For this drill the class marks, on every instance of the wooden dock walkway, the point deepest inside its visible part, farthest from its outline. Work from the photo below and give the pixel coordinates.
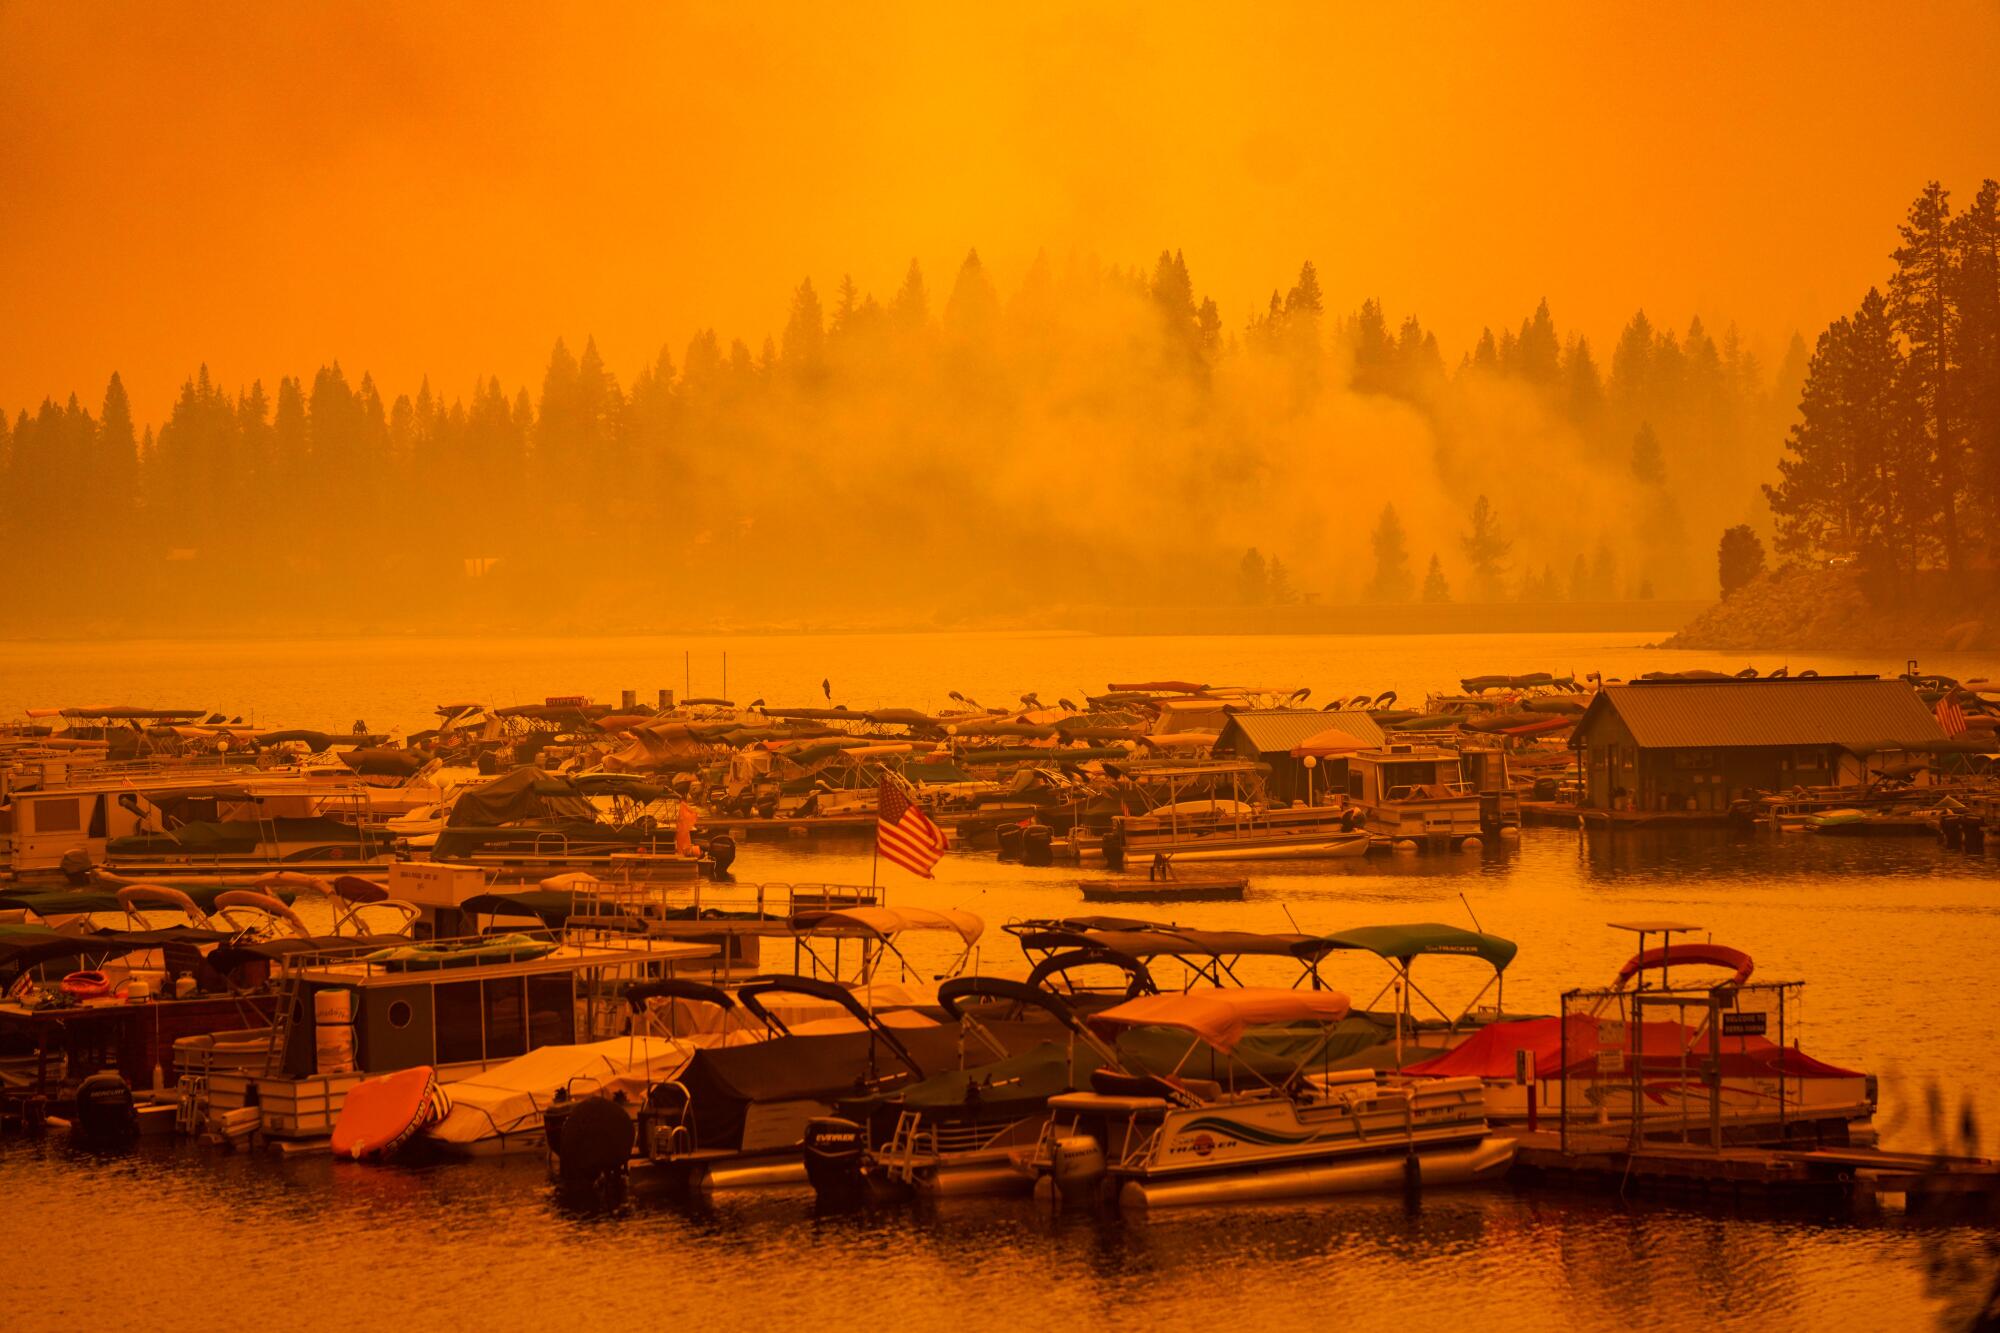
(1860, 1178)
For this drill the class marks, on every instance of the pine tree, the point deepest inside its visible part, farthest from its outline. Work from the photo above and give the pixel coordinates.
(117, 461)
(1374, 350)
(1392, 580)
(1649, 462)
(1435, 588)
(1923, 305)
(1852, 480)
(805, 335)
(1253, 581)
(1739, 558)
(1486, 549)
(1538, 352)
(1583, 388)
(972, 311)
(910, 311)
(1278, 589)
(1976, 292)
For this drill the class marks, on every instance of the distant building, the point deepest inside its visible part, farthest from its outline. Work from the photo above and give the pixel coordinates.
(1698, 745)
(1269, 735)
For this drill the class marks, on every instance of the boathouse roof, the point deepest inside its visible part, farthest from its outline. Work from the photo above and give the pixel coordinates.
(1857, 713)
(1270, 730)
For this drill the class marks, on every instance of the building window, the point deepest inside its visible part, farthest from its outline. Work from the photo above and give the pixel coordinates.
(551, 1011)
(506, 1019)
(459, 1020)
(63, 816)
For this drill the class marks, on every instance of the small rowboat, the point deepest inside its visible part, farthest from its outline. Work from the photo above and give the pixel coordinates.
(1162, 890)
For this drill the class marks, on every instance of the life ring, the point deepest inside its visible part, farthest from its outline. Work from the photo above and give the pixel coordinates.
(86, 985)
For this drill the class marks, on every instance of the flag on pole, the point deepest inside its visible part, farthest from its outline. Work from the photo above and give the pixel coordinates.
(1950, 716)
(903, 832)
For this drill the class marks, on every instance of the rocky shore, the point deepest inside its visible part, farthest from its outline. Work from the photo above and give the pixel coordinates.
(1802, 608)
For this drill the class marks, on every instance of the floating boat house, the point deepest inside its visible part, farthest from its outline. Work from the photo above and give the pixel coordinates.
(1269, 735)
(1695, 745)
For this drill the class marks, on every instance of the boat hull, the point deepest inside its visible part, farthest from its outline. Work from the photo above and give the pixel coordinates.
(1317, 850)
(1473, 1164)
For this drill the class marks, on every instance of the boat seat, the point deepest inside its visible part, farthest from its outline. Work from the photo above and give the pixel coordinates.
(1118, 1083)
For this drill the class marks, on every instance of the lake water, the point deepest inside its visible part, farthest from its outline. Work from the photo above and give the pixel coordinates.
(1895, 938)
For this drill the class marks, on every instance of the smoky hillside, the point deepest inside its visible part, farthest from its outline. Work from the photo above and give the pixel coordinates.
(949, 454)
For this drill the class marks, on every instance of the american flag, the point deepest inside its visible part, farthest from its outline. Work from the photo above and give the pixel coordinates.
(903, 832)
(1950, 716)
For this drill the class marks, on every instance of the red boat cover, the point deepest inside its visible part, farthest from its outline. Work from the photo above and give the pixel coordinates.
(381, 1114)
(1490, 1051)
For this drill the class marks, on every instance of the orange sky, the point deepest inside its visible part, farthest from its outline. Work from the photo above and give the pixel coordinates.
(448, 188)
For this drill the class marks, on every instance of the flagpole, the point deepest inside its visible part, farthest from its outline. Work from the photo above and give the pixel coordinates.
(875, 861)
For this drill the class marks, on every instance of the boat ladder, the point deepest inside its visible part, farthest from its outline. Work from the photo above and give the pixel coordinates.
(900, 1156)
(284, 1021)
(192, 1108)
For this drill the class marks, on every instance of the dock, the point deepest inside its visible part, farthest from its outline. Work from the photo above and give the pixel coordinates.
(1861, 1179)
(1142, 888)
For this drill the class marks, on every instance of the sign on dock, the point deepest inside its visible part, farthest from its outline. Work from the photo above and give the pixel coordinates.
(1744, 1023)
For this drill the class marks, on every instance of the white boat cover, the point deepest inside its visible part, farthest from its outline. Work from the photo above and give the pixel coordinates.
(509, 1098)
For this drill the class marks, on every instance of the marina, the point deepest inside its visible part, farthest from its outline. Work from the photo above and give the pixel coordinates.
(1092, 667)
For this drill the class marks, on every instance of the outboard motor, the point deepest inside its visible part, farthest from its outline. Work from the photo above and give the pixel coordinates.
(1076, 1167)
(722, 854)
(833, 1159)
(552, 1123)
(1010, 841)
(590, 1143)
(1114, 849)
(106, 1115)
(1038, 845)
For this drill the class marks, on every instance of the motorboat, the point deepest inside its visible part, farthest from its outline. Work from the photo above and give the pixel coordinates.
(1283, 847)
(350, 1008)
(502, 1109)
(967, 1130)
(1605, 1062)
(1257, 1133)
(1196, 821)
(1415, 796)
(736, 1115)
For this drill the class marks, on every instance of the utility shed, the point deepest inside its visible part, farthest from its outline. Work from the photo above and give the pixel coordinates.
(1269, 735)
(1698, 745)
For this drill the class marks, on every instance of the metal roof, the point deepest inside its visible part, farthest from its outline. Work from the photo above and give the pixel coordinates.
(1279, 729)
(1858, 715)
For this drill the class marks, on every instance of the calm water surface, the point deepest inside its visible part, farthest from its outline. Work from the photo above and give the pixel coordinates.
(1895, 938)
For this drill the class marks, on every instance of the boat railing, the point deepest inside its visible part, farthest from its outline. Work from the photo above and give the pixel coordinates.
(1418, 791)
(595, 900)
(574, 951)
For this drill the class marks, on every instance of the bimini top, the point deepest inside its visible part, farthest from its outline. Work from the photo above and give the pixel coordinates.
(1174, 941)
(886, 921)
(1220, 1017)
(1402, 943)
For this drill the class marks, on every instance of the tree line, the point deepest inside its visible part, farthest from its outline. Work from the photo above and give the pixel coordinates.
(1893, 463)
(1097, 436)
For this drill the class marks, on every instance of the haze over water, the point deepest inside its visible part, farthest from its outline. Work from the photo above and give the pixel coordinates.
(1894, 938)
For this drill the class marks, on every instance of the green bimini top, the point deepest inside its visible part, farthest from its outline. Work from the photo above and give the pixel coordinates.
(1403, 943)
